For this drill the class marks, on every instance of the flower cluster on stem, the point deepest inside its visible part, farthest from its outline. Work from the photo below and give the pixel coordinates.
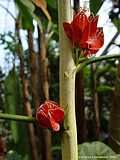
(84, 34)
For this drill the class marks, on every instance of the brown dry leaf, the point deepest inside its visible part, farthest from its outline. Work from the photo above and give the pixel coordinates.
(40, 3)
(43, 5)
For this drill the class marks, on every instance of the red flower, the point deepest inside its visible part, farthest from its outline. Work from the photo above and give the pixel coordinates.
(84, 33)
(50, 115)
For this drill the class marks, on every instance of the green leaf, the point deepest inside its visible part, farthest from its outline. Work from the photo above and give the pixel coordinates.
(96, 150)
(104, 88)
(25, 13)
(53, 10)
(28, 4)
(52, 3)
(95, 5)
(11, 102)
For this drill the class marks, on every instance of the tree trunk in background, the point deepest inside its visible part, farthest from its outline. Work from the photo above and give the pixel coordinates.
(43, 68)
(40, 91)
(114, 126)
(33, 69)
(2, 148)
(26, 103)
(79, 106)
(43, 91)
(28, 111)
(67, 85)
(95, 99)
(79, 97)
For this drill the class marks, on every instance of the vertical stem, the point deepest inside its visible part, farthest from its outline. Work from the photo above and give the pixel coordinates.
(43, 63)
(26, 103)
(114, 126)
(2, 148)
(33, 68)
(67, 86)
(80, 107)
(95, 99)
(44, 94)
(28, 110)
(79, 97)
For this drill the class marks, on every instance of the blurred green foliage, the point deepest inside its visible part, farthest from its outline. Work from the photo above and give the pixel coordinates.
(96, 150)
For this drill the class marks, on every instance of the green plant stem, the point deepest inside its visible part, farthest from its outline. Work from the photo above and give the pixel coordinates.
(95, 59)
(17, 117)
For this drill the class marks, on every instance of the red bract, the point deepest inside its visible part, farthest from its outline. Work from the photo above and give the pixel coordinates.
(75, 29)
(50, 115)
(84, 33)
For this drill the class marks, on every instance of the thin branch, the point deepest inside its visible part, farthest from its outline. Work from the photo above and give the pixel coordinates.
(17, 117)
(96, 59)
(8, 11)
(110, 43)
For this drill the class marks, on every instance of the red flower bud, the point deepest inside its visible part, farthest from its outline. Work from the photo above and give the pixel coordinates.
(50, 115)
